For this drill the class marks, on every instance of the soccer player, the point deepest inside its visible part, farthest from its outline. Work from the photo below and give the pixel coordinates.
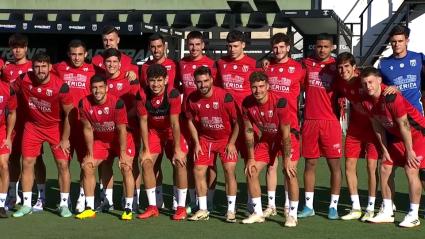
(47, 104)
(76, 73)
(399, 128)
(8, 104)
(159, 108)
(10, 72)
(321, 132)
(213, 124)
(284, 75)
(360, 141)
(270, 113)
(104, 119)
(187, 67)
(120, 86)
(158, 50)
(111, 39)
(403, 68)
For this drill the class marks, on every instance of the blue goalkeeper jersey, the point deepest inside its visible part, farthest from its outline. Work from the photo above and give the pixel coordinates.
(405, 73)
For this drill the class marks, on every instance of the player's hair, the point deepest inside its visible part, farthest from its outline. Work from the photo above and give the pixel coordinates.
(108, 30)
(202, 70)
(156, 36)
(325, 37)
(97, 78)
(41, 57)
(258, 76)
(400, 30)
(370, 71)
(234, 36)
(346, 57)
(156, 70)
(111, 52)
(280, 37)
(195, 35)
(76, 43)
(18, 40)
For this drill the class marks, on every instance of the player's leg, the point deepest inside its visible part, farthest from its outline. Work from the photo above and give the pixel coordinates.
(212, 181)
(89, 169)
(126, 168)
(62, 163)
(415, 189)
(372, 164)
(255, 192)
(107, 180)
(293, 195)
(149, 179)
(15, 167)
(386, 213)
(40, 179)
(271, 180)
(4, 180)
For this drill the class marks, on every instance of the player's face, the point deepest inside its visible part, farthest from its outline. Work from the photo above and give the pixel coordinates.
(19, 52)
(157, 84)
(281, 51)
(204, 84)
(259, 90)
(399, 44)
(99, 89)
(372, 85)
(323, 49)
(346, 71)
(41, 70)
(195, 46)
(77, 55)
(157, 48)
(112, 65)
(110, 40)
(235, 49)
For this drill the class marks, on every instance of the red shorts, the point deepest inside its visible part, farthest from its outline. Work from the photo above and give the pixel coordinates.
(268, 150)
(397, 151)
(78, 144)
(4, 149)
(211, 149)
(321, 138)
(163, 142)
(364, 147)
(34, 137)
(241, 143)
(110, 150)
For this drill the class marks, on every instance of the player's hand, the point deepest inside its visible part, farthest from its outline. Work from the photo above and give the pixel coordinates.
(131, 75)
(390, 90)
(197, 151)
(250, 167)
(65, 146)
(265, 63)
(179, 158)
(7, 143)
(124, 160)
(412, 160)
(290, 167)
(231, 152)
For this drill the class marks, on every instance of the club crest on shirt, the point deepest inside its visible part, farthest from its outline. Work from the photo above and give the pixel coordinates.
(270, 113)
(291, 69)
(106, 110)
(215, 105)
(49, 92)
(119, 86)
(245, 68)
(413, 62)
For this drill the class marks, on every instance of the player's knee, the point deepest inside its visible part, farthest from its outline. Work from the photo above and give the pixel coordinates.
(88, 167)
(147, 164)
(4, 166)
(126, 168)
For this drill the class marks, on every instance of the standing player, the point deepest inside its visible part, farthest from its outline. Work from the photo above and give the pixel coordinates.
(187, 67)
(20, 65)
(214, 127)
(321, 132)
(285, 75)
(399, 127)
(159, 109)
(7, 122)
(48, 104)
(104, 119)
(76, 73)
(403, 68)
(360, 141)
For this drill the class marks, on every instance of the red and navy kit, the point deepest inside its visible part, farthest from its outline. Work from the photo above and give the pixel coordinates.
(43, 108)
(158, 109)
(321, 131)
(169, 64)
(104, 119)
(360, 140)
(386, 110)
(268, 117)
(7, 102)
(213, 118)
(126, 63)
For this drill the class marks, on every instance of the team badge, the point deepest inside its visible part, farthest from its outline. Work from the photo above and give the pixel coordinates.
(49, 92)
(111, 86)
(401, 65)
(59, 27)
(215, 105)
(130, 27)
(94, 27)
(245, 68)
(270, 113)
(291, 69)
(168, 68)
(39, 90)
(85, 69)
(25, 26)
(280, 69)
(119, 86)
(235, 67)
(413, 62)
(158, 102)
(207, 106)
(99, 112)
(106, 110)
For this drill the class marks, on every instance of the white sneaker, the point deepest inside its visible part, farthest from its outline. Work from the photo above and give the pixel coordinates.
(81, 206)
(382, 217)
(367, 215)
(200, 215)
(270, 211)
(354, 214)
(39, 205)
(410, 221)
(291, 221)
(254, 218)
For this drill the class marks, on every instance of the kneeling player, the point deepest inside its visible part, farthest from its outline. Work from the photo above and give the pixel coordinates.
(158, 108)
(214, 128)
(104, 119)
(271, 115)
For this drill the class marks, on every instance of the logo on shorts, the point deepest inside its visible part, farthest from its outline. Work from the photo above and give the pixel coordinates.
(106, 110)
(119, 86)
(49, 92)
(215, 105)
